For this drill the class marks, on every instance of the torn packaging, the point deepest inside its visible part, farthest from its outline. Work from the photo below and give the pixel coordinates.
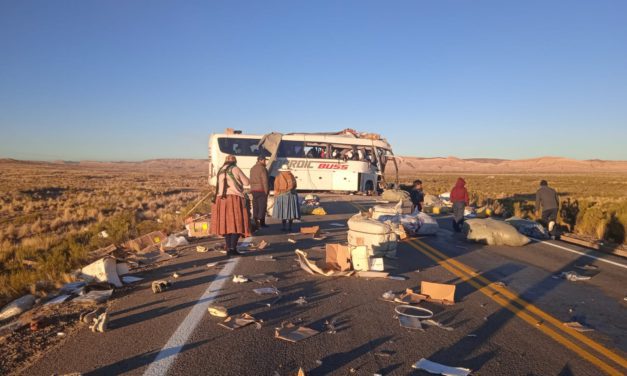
(314, 230)
(337, 257)
(291, 333)
(440, 369)
(143, 243)
(240, 321)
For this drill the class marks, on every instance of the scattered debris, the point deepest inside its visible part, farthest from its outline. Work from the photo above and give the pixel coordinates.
(330, 325)
(17, 307)
(100, 323)
(571, 276)
(218, 311)
(437, 324)
(587, 267)
(384, 353)
(438, 292)
(263, 278)
(58, 300)
(309, 266)
(160, 286)
(266, 291)
(440, 369)
(103, 270)
(103, 234)
(73, 287)
(213, 264)
(335, 224)
(240, 279)
(578, 326)
(201, 249)
(240, 321)
(290, 240)
(197, 227)
(290, 332)
(367, 274)
(131, 279)
(94, 297)
(262, 245)
(498, 284)
(337, 257)
(175, 275)
(398, 277)
(410, 316)
(174, 241)
(88, 317)
(388, 296)
(410, 297)
(300, 301)
(265, 258)
(319, 211)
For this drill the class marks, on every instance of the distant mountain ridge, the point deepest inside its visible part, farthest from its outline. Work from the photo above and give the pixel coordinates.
(405, 164)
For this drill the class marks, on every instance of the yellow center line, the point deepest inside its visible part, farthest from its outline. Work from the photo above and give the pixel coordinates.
(522, 314)
(470, 276)
(532, 308)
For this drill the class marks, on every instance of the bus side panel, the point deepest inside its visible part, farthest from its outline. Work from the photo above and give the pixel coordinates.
(345, 181)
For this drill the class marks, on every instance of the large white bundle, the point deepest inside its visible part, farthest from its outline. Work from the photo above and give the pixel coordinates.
(389, 209)
(367, 225)
(494, 232)
(428, 225)
(395, 195)
(377, 244)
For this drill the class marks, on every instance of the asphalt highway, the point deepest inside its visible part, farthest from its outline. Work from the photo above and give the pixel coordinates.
(511, 328)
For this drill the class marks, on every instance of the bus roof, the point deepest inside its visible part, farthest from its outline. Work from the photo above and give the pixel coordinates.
(339, 138)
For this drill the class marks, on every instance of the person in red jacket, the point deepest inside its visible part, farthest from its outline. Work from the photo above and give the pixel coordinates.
(459, 198)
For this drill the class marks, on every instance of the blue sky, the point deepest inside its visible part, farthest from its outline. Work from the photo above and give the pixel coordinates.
(132, 80)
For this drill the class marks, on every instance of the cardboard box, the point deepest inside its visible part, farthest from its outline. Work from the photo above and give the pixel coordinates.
(198, 229)
(338, 257)
(438, 291)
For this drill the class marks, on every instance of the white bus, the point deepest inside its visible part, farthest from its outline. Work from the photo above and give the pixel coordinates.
(343, 161)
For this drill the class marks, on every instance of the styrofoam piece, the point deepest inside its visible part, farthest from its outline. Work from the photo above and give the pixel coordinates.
(103, 270)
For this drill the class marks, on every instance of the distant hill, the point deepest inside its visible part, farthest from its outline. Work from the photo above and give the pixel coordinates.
(504, 166)
(406, 165)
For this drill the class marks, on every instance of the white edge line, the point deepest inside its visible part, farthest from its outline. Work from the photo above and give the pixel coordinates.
(167, 355)
(581, 253)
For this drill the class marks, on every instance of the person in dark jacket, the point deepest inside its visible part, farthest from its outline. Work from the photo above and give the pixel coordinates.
(417, 196)
(459, 198)
(259, 189)
(547, 204)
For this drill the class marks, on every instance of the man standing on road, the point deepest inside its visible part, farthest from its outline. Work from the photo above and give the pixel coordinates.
(417, 196)
(547, 204)
(459, 198)
(259, 189)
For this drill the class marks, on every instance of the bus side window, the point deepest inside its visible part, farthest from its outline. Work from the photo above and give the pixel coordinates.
(291, 149)
(316, 151)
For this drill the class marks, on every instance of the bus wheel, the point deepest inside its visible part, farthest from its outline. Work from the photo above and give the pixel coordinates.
(369, 187)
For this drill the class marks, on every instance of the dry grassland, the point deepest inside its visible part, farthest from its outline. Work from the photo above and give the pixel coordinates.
(51, 214)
